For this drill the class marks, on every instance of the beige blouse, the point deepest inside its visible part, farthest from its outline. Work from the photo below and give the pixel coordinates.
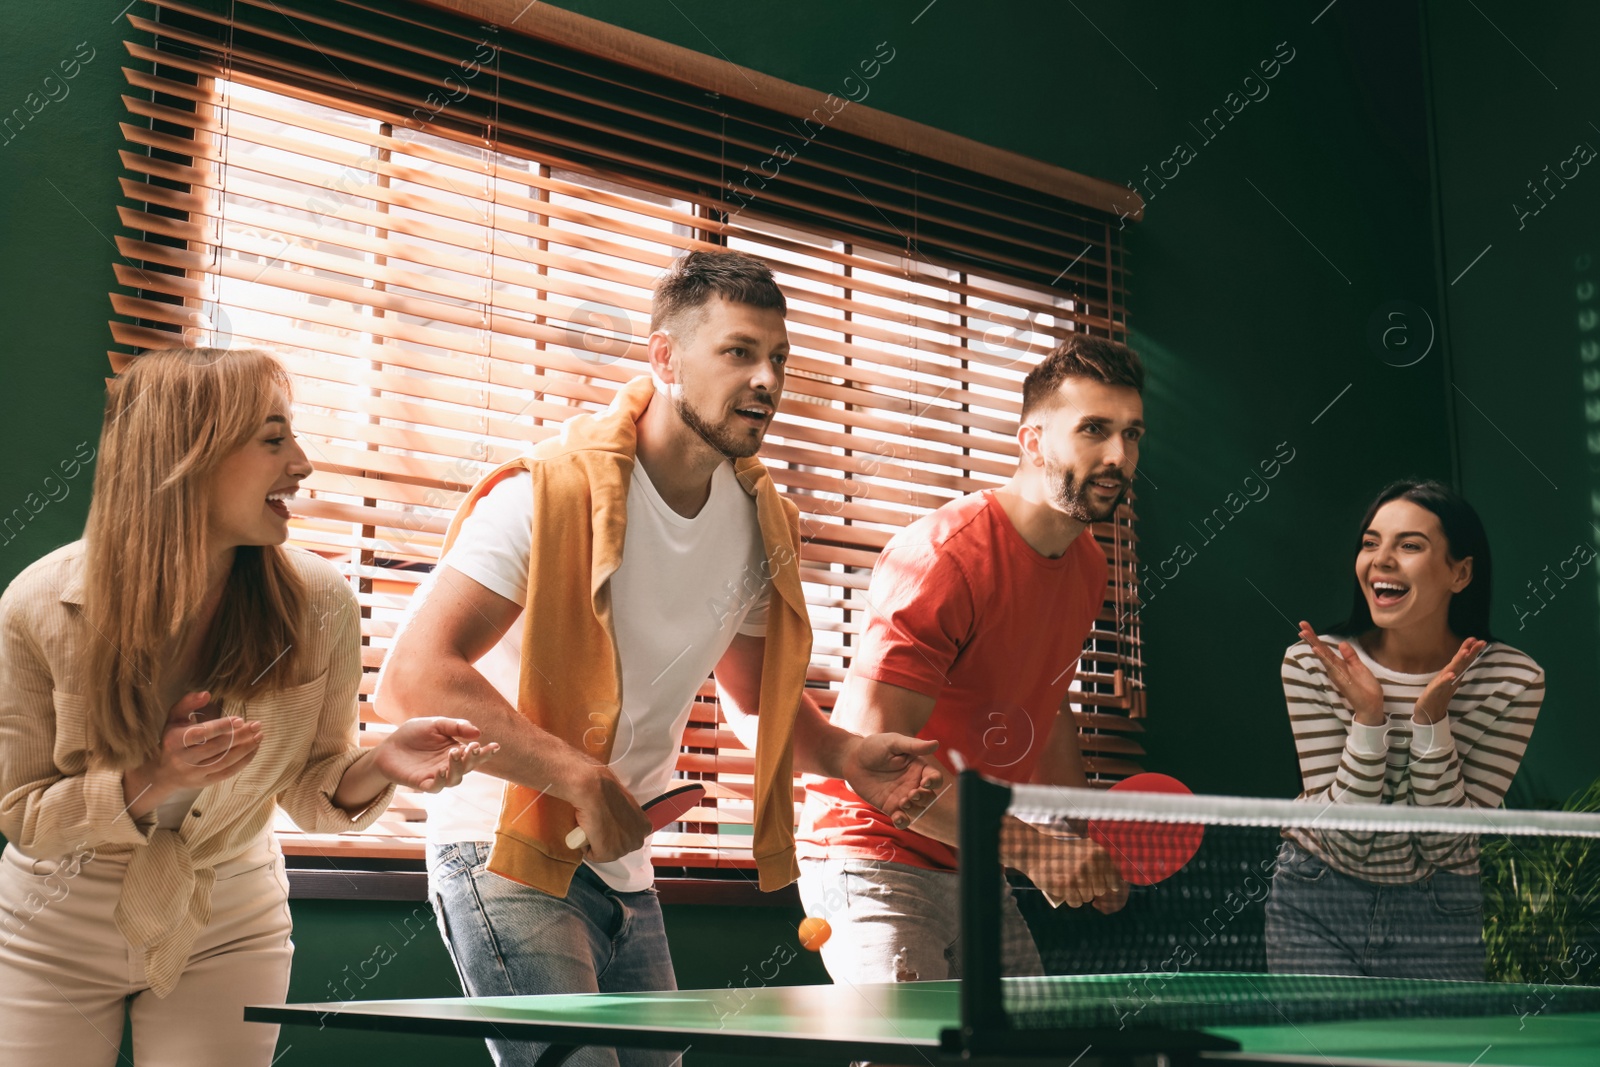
(56, 800)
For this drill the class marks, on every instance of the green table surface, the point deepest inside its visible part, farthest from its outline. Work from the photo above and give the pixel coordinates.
(828, 1020)
(1494, 1041)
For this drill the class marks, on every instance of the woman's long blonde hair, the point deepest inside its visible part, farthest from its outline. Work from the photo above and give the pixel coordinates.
(171, 419)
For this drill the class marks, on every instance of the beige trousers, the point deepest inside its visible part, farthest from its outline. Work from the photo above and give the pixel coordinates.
(66, 974)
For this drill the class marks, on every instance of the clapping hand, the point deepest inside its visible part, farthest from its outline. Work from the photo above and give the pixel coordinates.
(1434, 703)
(194, 753)
(1349, 676)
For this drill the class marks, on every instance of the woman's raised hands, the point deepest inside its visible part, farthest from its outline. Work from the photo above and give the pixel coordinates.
(1349, 676)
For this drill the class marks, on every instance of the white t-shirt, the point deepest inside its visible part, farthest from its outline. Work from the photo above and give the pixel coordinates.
(684, 588)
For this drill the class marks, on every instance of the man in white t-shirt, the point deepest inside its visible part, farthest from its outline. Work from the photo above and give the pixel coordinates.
(683, 604)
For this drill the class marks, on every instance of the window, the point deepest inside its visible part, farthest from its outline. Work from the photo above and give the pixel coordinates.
(447, 294)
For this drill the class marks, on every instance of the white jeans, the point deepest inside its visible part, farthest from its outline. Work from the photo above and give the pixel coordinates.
(896, 923)
(66, 973)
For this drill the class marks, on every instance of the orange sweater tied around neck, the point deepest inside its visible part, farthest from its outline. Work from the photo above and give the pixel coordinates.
(571, 679)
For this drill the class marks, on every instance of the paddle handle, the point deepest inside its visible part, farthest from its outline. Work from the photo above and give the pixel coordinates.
(664, 809)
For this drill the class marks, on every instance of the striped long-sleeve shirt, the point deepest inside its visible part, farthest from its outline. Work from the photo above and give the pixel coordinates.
(1466, 759)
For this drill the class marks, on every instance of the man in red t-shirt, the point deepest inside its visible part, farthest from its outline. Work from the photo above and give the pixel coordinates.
(977, 616)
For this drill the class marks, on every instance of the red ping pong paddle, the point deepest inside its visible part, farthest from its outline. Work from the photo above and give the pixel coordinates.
(1147, 852)
(666, 808)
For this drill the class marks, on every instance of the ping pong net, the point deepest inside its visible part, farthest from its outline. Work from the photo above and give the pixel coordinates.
(1244, 911)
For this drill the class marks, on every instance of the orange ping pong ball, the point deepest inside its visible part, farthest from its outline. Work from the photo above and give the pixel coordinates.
(814, 933)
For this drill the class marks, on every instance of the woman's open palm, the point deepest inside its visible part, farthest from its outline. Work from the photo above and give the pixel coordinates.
(431, 754)
(1362, 691)
(1434, 703)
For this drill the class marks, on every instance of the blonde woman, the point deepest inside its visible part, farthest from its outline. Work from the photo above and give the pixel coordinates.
(165, 683)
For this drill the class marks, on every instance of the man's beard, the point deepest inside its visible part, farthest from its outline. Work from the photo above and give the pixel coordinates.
(725, 442)
(1072, 497)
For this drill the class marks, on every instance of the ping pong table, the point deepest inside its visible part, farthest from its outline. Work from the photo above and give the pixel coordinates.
(919, 1023)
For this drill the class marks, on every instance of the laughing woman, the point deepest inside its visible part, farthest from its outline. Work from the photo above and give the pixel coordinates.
(1409, 701)
(165, 683)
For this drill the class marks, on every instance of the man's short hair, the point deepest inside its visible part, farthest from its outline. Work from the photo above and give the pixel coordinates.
(1081, 356)
(695, 277)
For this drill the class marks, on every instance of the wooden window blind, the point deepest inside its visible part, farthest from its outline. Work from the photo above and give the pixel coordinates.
(449, 233)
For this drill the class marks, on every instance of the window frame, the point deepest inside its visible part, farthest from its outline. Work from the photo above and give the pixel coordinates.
(661, 59)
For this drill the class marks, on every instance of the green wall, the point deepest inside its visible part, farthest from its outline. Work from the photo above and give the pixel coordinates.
(58, 173)
(1256, 275)
(1527, 397)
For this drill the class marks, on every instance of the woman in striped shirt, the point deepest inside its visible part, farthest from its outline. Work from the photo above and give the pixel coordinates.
(166, 684)
(1411, 701)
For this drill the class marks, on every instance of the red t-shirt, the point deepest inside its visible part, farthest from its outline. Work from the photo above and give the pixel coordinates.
(963, 610)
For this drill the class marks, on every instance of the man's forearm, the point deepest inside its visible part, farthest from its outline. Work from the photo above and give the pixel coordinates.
(819, 746)
(529, 756)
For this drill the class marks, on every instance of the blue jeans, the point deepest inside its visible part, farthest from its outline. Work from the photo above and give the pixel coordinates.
(1322, 921)
(507, 939)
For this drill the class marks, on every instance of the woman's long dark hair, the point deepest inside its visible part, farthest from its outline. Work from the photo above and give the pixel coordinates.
(1464, 536)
